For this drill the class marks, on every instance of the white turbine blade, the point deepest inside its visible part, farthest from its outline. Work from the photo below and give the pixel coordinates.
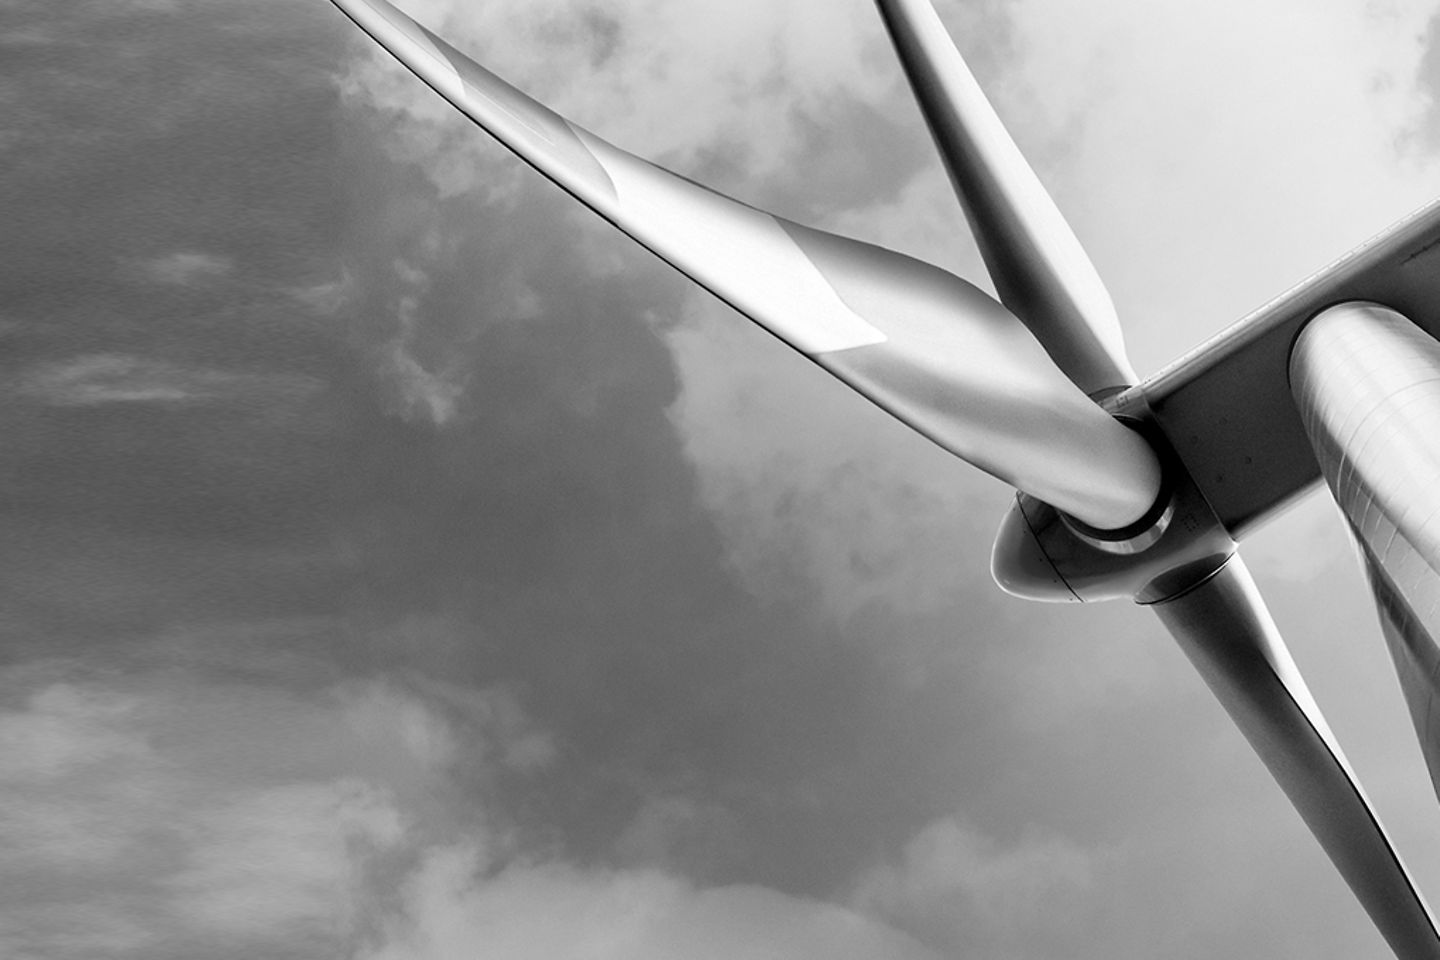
(1039, 269)
(934, 351)
(1225, 630)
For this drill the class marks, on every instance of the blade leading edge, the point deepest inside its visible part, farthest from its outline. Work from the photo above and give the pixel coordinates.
(1040, 271)
(1224, 628)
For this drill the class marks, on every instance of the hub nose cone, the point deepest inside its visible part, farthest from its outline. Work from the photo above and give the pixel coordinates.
(1020, 566)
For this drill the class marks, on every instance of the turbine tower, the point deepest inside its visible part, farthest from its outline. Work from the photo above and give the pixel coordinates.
(1125, 490)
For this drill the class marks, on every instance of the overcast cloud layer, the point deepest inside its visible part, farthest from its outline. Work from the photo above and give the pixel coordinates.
(399, 564)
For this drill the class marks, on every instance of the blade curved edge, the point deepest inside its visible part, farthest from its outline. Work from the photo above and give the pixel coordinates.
(934, 351)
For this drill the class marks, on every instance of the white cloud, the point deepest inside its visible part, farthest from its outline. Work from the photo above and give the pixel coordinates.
(328, 296)
(222, 832)
(105, 378)
(74, 775)
(281, 863)
(523, 746)
(455, 907)
(376, 713)
(132, 786)
(63, 728)
(186, 268)
(963, 891)
(676, 832)
(442, 721)
(209, 806)
(419, 391)
(422, 393)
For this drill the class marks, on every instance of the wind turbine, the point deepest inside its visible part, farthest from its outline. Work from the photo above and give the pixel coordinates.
(1125, 489)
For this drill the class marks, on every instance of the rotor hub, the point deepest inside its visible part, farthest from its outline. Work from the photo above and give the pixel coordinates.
(1043, 554)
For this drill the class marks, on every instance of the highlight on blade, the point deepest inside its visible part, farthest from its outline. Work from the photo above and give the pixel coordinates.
(1039, 269)
(931, 349)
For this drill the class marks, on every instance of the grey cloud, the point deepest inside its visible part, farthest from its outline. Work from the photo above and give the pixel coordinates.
(538, 529)
(742, 616)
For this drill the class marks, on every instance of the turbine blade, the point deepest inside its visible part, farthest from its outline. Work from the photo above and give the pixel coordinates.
(1039, 269)
(934, 351)
(1366, 381)
(1225, 630)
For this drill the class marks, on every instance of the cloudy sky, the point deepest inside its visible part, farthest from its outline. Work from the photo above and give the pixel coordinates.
(399, 564)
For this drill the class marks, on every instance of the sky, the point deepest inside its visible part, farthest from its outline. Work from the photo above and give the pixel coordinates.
(398, 564)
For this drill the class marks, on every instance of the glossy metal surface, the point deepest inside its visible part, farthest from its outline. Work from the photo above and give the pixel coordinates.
(1367, 383)
(1040, 270)
(1222, 625)
(931, 349)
